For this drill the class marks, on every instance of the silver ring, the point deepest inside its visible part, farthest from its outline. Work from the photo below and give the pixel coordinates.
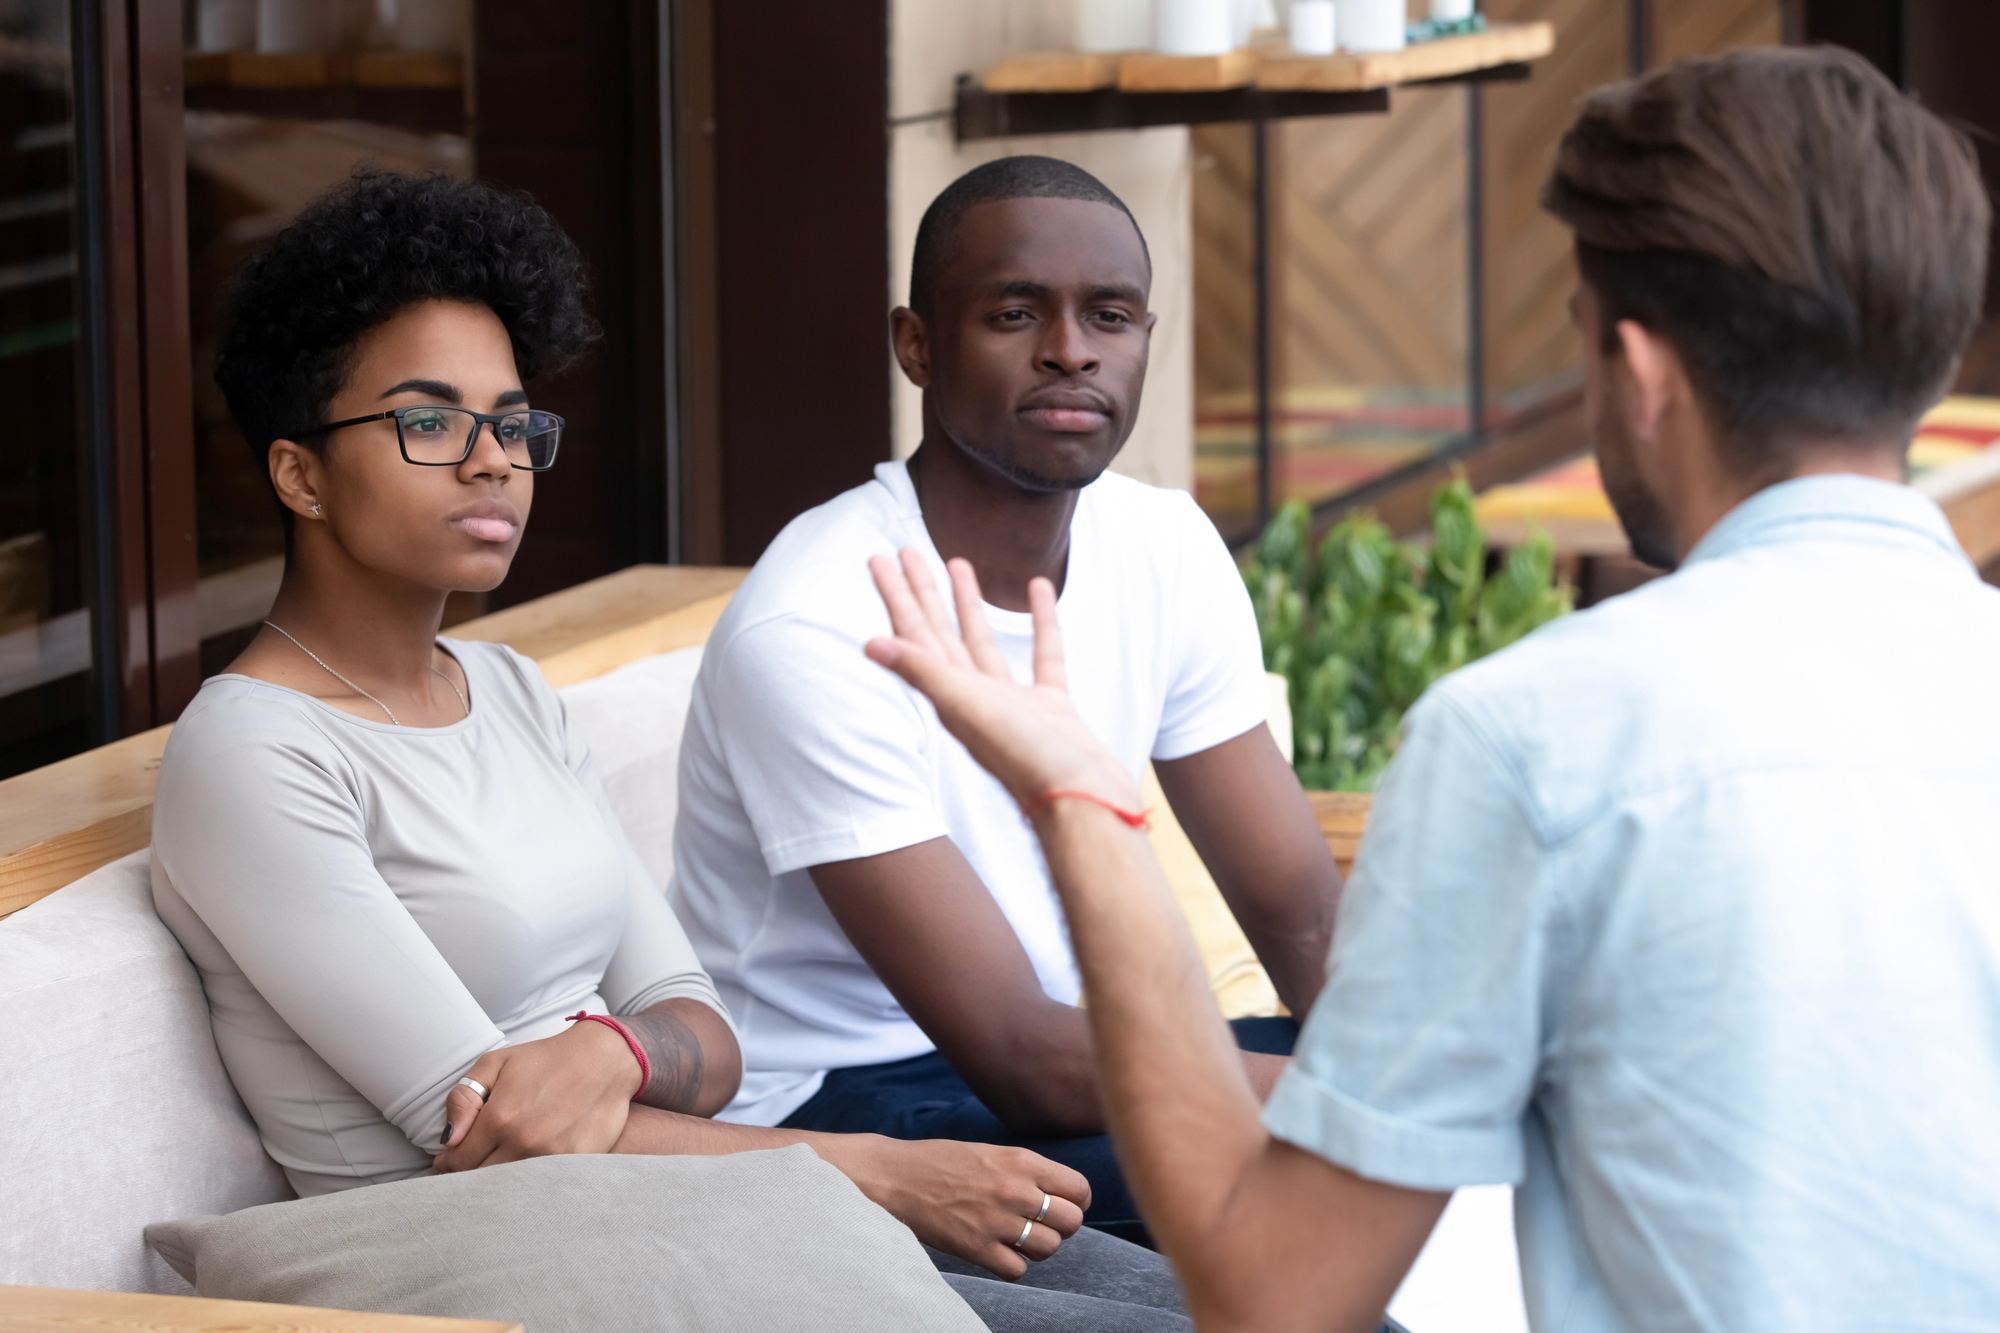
(1026, 1227)
(476, 1086)
(1045, 1209)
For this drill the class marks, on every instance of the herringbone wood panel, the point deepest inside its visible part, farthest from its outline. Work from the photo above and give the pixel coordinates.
(1368, 238)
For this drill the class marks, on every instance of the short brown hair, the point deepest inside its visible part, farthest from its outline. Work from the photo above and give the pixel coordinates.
(1810, 240)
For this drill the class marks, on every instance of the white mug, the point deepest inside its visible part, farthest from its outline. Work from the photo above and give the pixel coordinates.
(296, 25)
(1312, 27)
(430, 25)
(1191, 27)
(1450, 11)
(225, 25)
(1372, 25)
(1114, 25)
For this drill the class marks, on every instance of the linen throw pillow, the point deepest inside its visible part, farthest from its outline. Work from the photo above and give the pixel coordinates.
(758, 1240)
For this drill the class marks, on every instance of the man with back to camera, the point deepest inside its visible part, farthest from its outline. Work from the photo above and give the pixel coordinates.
(869, 902)
(1682, 914)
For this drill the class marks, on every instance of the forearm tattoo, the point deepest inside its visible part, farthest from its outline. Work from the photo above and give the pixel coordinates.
(674, 1052)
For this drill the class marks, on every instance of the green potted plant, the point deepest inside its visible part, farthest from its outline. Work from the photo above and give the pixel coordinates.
(1362, 626)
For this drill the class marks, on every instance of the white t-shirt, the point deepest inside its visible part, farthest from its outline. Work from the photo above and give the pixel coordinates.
(800, 751)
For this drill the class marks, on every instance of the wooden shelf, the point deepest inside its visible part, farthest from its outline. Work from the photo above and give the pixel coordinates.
(1445, 58)
(325, 69)
(1065, 92)
(414, 90)
(1149, 72)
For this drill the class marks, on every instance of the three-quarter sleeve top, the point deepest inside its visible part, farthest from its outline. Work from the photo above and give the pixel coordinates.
(374, 907)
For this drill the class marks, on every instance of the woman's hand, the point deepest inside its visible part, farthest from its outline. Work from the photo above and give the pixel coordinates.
(967, 1199)
(1030, 738)
(563, 1094)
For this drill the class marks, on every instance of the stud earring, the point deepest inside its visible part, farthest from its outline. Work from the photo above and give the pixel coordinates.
(313, 509)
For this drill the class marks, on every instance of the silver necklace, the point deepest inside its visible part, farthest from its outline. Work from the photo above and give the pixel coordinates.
(365, 694)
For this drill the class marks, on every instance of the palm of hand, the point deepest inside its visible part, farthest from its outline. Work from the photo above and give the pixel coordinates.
(1029, 737)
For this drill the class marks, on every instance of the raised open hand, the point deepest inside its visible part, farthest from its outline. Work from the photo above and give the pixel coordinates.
(1029, 737)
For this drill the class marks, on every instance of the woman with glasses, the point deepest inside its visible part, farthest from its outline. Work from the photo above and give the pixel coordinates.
(385, 850)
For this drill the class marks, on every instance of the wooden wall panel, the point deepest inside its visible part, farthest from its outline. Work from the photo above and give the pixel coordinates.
(1531, 271)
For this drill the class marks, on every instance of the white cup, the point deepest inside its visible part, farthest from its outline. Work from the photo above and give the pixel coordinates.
(1372, 25)
(1450, 11)
(225, 25)
(1312, 27)
(430, 25)
(1114, 25)
(296, 25)
(1190, 27)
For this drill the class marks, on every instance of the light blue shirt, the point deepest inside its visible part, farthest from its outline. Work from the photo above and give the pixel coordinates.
(1683, 915)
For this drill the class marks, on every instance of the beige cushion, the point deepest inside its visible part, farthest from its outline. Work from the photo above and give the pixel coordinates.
(762, 1240)
(1242, 987)
(114, 1108)
(633, 718)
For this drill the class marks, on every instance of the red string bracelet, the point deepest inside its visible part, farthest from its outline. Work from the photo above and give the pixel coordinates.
(645, 1065)
(1136, 818)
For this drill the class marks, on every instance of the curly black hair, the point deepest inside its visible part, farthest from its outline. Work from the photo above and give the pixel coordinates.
(366, 250)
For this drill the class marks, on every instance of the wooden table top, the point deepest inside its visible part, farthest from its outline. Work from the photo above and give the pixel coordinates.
(54, 1310)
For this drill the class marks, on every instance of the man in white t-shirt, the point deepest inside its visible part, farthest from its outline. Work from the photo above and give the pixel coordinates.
(873, 907)
(1682, 915)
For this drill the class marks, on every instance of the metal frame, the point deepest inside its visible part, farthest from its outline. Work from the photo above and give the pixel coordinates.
(135, 409)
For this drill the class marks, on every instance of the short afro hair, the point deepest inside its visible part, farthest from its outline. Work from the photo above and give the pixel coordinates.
(1024, 177)
(368, 249)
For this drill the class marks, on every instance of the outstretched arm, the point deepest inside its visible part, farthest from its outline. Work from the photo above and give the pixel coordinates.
(1264, 1235)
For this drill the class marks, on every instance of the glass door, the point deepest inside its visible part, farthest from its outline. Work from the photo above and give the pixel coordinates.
(45, 631)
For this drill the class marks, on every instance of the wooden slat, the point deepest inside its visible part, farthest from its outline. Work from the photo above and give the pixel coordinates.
(662, 634)
(1150, 72)
(324, 69)
(61, 822)
(51, 1310)
(408, 69)
(1501, 44)
(576, 616)
(1053, 72)
(1343, 815)
(1969, 494)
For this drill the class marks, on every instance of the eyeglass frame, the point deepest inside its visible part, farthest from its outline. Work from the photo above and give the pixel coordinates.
(480, 421)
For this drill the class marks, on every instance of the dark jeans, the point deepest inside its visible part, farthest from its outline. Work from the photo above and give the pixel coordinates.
(921, 1098)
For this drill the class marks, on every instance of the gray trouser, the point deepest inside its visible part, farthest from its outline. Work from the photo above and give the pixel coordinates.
(1094, 1284)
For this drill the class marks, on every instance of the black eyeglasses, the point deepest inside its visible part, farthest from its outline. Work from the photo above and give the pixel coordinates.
(432, 436)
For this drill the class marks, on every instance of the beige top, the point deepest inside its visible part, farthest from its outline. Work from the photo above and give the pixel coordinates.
(374, 907)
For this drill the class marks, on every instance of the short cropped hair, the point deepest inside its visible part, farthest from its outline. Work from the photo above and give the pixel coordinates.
(1025, 177)
(1809, 240)
(370, 248)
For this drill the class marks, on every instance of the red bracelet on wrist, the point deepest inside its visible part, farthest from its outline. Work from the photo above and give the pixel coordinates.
(645, 1065)
(1136, 818)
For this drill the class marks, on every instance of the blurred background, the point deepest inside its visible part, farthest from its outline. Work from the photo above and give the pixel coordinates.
(1349, 304)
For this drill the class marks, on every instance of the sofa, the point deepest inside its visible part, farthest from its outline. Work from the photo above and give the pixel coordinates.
(114, 1107)
(115, 1110)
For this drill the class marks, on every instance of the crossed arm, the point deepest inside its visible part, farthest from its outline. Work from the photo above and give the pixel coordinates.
(579, 1092)
(1264, 1235)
